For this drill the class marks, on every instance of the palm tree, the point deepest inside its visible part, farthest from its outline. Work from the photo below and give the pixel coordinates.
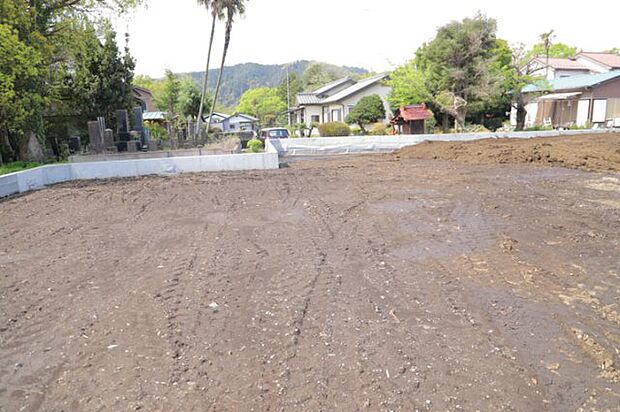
(547, 39)
(216, 12)
(233, 8)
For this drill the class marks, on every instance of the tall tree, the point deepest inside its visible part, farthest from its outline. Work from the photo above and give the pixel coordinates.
(48, 28)
(99, 79)
(317, 75)
(189, 98)
(216, 13)
(233, 8)
(554, 50)
(169, 99)
(20, 68)
(264, 103)
(409, 86)
(520, 75)
(547, 39)
(459, 62)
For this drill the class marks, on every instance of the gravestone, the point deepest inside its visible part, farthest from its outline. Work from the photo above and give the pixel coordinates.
(138, 122)
(95, 136)
(132, 146)
(75, 144)
(35, 151)
(122, 126)
(153, 145)
(108, 138)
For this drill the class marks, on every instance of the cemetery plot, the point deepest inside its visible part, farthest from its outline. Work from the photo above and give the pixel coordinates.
(352, 283)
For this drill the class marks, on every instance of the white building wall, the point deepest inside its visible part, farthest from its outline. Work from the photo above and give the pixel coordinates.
(595, 67)
(378, 89)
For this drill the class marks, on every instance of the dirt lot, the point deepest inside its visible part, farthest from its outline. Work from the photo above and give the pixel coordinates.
(357, 283)
(589, 152)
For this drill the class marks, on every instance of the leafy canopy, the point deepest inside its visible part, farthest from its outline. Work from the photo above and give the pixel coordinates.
(263, 103)
(368, 110)
(409, 86)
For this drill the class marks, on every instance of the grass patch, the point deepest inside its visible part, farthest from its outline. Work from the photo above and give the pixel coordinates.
(16, 167)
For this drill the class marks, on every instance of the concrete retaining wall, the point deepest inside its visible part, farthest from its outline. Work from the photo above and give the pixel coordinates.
(367, 144)
(147, 155)
(39, 177)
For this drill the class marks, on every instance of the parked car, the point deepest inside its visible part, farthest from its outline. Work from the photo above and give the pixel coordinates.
(274, 133)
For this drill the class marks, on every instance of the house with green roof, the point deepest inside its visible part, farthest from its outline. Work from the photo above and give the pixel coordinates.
(582, 100)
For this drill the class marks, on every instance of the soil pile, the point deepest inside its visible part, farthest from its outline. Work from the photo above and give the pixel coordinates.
(589, 152)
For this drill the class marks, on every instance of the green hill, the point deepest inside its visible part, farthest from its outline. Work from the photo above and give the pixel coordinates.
(241, 77)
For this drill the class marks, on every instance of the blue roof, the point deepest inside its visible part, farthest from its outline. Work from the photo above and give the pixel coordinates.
(572, 82)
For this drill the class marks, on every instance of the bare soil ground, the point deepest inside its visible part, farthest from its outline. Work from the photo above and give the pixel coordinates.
(346, 284)
(590, 152)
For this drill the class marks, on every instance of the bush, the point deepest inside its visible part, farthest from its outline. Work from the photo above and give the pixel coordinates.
(475, 128)
(334, 129)
(255, 146)
(379, 129)
(356, 131)
(430, 125)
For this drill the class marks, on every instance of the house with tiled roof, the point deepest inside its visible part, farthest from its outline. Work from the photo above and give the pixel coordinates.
(556, 68)
(583, 63)
(334, 101)
(586, 100)
(599, 62)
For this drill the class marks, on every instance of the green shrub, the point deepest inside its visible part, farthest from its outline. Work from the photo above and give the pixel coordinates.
(255, 146)
(379, 129)
(475, 128)
(356, 131)
(430, 125)
(334, 129)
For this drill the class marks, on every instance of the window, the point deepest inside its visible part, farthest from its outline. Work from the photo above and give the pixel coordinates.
(613, 109)
(599, 111)
(336, 115)
(315, 118)
(279, 134)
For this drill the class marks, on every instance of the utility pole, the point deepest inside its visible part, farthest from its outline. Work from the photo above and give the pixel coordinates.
(288, 96)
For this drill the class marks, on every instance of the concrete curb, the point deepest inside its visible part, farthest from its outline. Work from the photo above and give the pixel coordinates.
(32, 179)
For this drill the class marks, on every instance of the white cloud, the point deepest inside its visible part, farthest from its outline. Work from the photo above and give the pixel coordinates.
(366, 33)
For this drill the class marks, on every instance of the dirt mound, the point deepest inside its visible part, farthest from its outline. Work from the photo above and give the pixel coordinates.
(590, 152)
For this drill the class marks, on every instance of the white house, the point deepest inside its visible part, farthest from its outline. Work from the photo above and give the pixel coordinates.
(599, 62)
(583, 63)
(237, 122)
(334, 101)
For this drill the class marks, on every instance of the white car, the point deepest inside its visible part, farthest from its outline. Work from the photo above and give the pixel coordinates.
(274, 133)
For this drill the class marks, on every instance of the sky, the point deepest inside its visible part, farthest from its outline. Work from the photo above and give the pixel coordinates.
(376, 35)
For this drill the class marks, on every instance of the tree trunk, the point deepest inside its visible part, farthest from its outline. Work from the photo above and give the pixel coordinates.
(521, 114)
(445, 122)
(219, 78)
(205, 79)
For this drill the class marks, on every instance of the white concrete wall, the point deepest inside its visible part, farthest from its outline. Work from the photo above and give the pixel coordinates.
(369, 144)
(39, 177)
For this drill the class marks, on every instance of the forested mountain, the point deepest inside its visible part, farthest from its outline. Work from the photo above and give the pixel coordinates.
(241, 77)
